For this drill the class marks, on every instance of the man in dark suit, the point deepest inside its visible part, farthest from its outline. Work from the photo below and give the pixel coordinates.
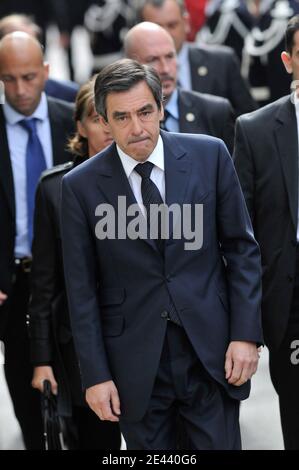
(161, 327)
(61, 89)
(266, 157)
(25, 151)
(207, 69)
(186, 111)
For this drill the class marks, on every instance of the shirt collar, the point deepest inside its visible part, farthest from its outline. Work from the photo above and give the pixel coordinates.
(295, 100)
(13, 117)
(156, 157)
(172, 105)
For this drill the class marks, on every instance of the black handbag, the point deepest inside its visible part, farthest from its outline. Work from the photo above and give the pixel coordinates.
(53, 435)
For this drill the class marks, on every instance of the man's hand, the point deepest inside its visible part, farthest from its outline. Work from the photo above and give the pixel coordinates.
(241, 361)
(3, 297)
(42, 373)
(103, 399)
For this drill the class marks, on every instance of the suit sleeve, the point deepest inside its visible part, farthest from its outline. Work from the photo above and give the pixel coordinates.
(241, 254)
(245, 167)
(239, 94)
(80, 271)
(43, 280)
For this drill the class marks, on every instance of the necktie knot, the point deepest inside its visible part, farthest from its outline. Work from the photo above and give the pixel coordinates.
(144, 169)
(29, 125)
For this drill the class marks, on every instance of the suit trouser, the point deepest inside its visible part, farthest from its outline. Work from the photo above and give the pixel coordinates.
(285, 378)
(18, 369)
(184, 389)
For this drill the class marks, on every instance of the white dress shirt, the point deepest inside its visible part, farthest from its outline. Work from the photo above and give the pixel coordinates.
(172, 123)
(184, 69)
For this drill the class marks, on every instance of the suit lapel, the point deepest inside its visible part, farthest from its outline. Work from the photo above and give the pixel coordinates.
(286, 136)
(6, 175)
(112, 180)
(58, 135)
(177, 172)
(190, 120)
(199, 68)
(55, 134)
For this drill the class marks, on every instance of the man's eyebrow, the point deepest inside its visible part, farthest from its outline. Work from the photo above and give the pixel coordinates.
(119, 113)
(147, 107)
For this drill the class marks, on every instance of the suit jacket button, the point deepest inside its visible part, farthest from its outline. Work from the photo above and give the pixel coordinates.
(164, 314)
(190, 117)
(290, 278)
(202, 71)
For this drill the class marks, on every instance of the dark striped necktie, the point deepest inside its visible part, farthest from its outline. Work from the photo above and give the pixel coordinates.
(150, 195)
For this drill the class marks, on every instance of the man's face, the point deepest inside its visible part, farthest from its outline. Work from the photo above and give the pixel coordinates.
(170, 17)
(157, 49)
(133, 119)
(24, 78)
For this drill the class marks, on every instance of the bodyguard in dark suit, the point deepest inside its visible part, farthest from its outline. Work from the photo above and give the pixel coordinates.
(23, 151)
(185, 111)
(206, 69)
(161, 328)
(266, 157)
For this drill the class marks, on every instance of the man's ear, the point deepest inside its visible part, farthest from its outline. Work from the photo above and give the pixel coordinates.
(104, 122)
(161, 113)
(287, 61)
(46, 70)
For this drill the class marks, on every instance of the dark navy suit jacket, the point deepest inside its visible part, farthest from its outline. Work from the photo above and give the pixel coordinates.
(118, 290)
(61, 89)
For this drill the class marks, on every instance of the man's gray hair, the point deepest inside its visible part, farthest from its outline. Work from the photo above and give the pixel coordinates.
(122, 76)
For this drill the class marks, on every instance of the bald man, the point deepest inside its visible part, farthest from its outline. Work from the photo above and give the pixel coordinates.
(33, 134)
(185, 111)
(208, 69)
